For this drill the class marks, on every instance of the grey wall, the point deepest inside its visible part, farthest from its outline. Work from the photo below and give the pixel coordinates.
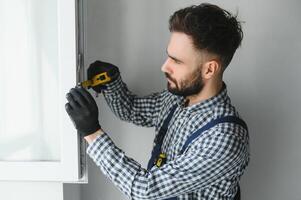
(263, 81)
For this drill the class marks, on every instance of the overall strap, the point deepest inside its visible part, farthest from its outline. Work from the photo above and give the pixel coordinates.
(159, 138)
(196, 134)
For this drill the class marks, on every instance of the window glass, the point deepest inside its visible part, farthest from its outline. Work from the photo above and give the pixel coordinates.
(29, 88)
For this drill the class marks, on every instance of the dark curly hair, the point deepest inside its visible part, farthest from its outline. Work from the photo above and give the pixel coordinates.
(212, 29)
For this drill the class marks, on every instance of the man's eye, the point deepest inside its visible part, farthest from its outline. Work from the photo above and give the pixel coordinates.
(177, 61)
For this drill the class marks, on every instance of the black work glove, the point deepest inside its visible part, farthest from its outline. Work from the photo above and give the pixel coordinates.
(99, 67)
(83, 111)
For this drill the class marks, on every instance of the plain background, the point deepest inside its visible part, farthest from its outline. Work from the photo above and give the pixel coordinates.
(263, 83)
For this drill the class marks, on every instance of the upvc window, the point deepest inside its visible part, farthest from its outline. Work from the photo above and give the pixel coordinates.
(38, 66)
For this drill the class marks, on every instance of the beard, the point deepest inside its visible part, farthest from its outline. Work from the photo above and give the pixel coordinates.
(187, 87)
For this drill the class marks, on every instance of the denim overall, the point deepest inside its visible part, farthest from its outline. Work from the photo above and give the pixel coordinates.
(159, 158)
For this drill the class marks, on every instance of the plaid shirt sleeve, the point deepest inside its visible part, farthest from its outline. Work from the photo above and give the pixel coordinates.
(142, 111)
(218, 156)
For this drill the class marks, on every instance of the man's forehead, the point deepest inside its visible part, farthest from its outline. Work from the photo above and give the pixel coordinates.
(181, 46)
(181, 40)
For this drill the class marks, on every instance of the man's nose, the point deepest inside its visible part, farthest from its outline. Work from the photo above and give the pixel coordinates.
(166, 66)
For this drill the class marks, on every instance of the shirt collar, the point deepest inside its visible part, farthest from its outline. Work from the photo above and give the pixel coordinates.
(207, 104)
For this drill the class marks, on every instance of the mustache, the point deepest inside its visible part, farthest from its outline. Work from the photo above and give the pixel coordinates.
(169, 77)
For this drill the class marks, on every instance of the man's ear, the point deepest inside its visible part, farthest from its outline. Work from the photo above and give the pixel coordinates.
(210, 68)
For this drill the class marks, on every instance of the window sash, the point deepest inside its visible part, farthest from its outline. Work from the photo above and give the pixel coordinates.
(68, 168)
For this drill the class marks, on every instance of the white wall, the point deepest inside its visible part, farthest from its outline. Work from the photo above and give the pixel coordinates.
(263, 82)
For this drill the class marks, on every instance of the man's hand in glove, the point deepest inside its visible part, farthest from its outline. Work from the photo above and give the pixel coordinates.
(99, 67)
(83, 111)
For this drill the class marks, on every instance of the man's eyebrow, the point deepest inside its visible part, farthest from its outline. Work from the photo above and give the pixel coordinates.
(172, 57)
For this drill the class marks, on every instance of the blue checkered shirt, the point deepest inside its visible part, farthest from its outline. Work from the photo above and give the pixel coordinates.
(211, 166)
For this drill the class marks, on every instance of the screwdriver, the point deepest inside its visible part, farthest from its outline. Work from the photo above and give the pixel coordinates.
(98, 79)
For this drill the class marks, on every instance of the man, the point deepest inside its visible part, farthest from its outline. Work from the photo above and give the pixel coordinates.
(197, 153)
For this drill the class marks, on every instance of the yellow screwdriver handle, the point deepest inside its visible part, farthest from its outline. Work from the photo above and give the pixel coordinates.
(98, 79)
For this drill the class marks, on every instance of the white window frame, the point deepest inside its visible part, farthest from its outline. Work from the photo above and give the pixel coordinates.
(70, 166)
